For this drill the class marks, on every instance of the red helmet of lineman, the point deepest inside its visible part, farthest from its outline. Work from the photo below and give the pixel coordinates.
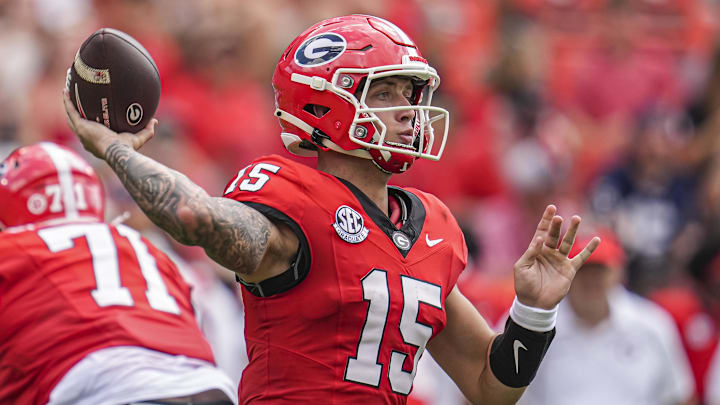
(332, 65)
(46, 181)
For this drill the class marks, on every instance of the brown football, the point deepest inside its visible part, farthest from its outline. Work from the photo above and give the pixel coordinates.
(114, 81)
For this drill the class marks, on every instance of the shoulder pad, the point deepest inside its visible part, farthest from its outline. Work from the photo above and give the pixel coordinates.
(273, 181)
(440, 220)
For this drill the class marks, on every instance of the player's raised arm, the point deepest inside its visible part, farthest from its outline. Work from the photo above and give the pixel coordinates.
(234, 235)
(493, 369)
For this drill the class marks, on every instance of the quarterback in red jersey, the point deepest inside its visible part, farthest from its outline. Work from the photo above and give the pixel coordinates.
(346, 279)
(360, 273)
(91, 313)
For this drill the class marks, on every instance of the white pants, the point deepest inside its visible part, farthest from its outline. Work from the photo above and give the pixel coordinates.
(123, 374)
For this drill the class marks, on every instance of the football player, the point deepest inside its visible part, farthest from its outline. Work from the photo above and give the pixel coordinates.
(91, 313)
(347, 280)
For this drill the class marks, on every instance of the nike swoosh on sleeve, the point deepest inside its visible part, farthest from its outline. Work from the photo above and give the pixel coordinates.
(517, 345)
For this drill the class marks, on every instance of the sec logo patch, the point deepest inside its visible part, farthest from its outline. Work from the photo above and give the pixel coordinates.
(350, 225)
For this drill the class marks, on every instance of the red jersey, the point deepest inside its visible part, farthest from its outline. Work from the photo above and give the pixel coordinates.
(699, 329)
(354, 328)
(71, 289)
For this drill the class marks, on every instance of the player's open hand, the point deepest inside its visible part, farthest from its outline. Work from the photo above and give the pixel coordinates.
(544, 272)
(96, 138)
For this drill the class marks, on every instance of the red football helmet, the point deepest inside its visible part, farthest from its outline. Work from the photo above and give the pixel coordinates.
(331, 63)
(46, 181)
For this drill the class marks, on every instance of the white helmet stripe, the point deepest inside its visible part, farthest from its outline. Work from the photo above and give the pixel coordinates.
(64, 169)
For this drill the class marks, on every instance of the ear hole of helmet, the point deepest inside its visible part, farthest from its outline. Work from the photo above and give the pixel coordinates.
(316, 110)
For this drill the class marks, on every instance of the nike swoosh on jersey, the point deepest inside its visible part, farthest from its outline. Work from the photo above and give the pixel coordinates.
(432, 242)
(517, 345)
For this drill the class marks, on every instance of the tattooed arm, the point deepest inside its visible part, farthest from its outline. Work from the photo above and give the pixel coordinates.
(231, 233)
(234, 235)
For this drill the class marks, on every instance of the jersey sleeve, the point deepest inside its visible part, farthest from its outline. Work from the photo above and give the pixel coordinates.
(459, 247)
(274, 186)
(443, 222)
(461, 252)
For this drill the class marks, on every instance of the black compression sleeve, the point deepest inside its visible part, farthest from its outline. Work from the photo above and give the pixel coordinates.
(516, 354)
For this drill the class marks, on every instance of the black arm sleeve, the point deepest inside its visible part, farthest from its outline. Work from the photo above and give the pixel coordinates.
(516, 354)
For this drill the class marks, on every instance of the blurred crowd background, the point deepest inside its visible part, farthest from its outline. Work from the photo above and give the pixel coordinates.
(607, 108)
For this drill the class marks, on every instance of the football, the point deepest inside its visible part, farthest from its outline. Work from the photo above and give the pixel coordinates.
(114, 81)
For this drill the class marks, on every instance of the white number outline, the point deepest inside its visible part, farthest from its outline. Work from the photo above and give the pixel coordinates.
(414, 333)
(255, 173)
(56, 204)
(101, 245)
(361, 368)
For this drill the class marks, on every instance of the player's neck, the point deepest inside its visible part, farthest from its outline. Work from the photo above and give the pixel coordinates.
(362, 173)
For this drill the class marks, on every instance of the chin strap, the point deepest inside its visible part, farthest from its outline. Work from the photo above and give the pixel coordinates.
(291, 141)
(286, 116)
(326, 143)
(381, 168)
(315, 82)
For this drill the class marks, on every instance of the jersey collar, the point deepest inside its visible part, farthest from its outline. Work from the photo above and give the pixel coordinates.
(414, 212)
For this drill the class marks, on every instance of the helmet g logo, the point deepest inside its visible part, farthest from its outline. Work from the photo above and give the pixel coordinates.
(320, 49)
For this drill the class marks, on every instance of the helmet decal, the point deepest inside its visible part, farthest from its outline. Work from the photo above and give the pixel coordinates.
(46, 181)
(63, 162)
(37, 204)
(333, 64)
(320, 49)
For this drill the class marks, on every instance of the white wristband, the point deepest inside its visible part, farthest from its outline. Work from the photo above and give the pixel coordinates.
(534, 319)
